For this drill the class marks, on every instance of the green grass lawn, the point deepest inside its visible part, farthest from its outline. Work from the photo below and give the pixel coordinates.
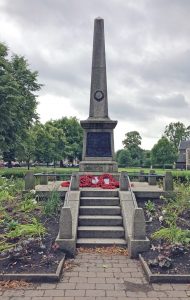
(20, 172)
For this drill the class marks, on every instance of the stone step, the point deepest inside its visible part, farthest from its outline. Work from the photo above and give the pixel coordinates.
(90, 242)
(100, 232)
(99, 193)
(108, 201)
(100, 210)
(100, 220)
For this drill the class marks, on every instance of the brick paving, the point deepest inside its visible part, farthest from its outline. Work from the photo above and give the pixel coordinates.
(101, 277)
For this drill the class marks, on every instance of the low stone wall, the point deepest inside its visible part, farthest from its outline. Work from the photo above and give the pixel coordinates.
(134, 224)
(67, 235)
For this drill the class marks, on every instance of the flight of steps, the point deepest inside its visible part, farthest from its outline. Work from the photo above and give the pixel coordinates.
(100, 222)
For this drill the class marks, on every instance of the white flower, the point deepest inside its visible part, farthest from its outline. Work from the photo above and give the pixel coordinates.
(33, 192)
(161, 218)
(34, 201)
(163, 211)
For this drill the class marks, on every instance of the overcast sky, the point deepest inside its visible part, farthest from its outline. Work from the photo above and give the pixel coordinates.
(147, 54)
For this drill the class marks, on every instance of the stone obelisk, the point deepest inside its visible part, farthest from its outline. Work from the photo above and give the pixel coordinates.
(98, 141)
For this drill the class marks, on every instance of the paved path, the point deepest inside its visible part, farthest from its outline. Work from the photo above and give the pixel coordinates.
(101, 277)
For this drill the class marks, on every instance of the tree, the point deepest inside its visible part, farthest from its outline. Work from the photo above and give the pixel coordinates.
(49, 143)
(132, 139)
(132, 143)
(18, 100)
(146, 161)
(26, 148)
(176, 132)
(124, 158)
(163, 152)
(73, 134)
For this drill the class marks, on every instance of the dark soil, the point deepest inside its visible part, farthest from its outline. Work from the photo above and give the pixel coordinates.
(34, 255)
(175, 259)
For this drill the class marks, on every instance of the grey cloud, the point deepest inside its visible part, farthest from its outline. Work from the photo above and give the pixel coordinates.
(145, 108)
(147, 49)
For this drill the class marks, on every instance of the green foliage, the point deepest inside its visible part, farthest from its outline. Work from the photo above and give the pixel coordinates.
(18, 85)
(10, 187)
(132, 143)
(146, 159)
(176, 132)
(20, 172)
(173, 234)
(51, 206)
(11, 225)
(28, 204)
(4, 246)
(27, 230)
(49, 143)
(73, 134)
(174, 208)
(123, 157)
(150, 206)
(132, 139)
(26, 147)
(163, 152)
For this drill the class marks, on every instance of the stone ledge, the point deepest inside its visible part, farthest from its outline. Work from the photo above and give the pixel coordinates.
(162, 278)
(36, 277)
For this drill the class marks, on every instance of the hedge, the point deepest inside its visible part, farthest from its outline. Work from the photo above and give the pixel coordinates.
(133, 172)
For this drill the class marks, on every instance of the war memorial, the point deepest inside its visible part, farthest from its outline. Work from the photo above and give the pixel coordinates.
(98, 143)
(94, 217)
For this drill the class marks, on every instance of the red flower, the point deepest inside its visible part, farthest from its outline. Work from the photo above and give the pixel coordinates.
(105, 181)
(65, 183)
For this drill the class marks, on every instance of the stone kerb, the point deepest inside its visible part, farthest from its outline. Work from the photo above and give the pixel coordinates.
(152, 178)
(43, 179)
(124, 181)
(67, 235)
(75, 182)
(168, 182)
(65, 223)
(134, 224)
(29, 181)
(138, 242)
(141, 176)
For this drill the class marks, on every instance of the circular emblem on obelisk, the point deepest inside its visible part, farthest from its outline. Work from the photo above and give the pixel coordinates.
(98, 95)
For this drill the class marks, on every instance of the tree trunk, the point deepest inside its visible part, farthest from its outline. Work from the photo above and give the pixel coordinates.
(10, 164)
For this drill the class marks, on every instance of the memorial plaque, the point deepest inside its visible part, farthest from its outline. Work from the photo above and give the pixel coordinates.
(98, 144)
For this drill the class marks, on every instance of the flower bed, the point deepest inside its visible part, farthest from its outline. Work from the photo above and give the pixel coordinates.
(168, 229)
(104, 181)
(28, 229)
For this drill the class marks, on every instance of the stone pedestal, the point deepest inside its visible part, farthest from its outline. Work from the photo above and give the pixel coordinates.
(98, 142)
(98, 146)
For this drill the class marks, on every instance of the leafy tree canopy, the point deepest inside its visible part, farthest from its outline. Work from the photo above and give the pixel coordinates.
(123, 157)
(49, 143)
(176, 132)
(73, 136)
(163, 152)
(18, 100)
(132, 139)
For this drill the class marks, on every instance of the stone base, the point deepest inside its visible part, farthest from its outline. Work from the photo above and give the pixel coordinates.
(98, 166)
(67, 245)
(137, 246)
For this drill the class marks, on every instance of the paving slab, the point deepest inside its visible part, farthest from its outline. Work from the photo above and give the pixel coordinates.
(98, 277)
(136, 186)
